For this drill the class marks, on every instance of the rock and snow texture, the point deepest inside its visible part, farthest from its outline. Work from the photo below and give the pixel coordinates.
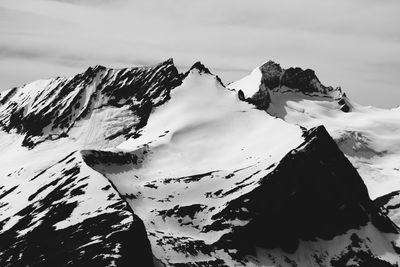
(146, 166)
(55, 210)
(368, 136)
(67, 215)
(119, 101)
(390, 205)
(269, 79)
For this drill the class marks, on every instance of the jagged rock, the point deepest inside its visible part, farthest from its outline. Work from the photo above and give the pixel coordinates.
(271, 75)
(200, 67)
(49, 109)
(275, 80)
(261, 99)
(304, 80)
(204, 171)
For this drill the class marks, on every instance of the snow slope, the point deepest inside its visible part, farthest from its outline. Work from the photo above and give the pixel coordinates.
(46, 188)
(47, 219)
(146, 165)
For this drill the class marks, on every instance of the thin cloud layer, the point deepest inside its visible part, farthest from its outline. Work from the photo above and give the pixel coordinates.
(355, 44)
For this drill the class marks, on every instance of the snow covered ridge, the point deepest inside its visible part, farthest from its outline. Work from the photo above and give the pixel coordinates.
(270, 78)
(150, 167)
(48, 109)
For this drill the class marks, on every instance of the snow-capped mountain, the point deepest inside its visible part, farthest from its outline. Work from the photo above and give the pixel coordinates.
(119, 101)
(368, 136)
(150, 167)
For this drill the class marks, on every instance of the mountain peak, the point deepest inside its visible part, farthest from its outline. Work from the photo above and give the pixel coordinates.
(169, 61)
(271, 74)
(271, 65)
(98, 68)
(93, 71)
(200, 67)
(306, 81)
(174, 169)
(270, 83)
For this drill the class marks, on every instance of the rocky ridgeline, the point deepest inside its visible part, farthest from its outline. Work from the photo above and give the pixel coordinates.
(304, 81)
(47, 111)
(73, 213)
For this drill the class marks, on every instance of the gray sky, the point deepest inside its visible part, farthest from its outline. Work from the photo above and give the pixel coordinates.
(351, 43)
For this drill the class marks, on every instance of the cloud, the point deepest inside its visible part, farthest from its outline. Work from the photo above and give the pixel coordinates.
(336, 38)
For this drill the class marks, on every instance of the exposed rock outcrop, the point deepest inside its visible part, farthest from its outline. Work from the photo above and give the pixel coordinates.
(275, 79)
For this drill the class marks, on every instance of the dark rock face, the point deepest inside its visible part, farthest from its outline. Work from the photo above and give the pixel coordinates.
(105, 234)
(314, 192)
(271, 75)
(52, 111)
(261, 99)
(94, 157)
(304, 80)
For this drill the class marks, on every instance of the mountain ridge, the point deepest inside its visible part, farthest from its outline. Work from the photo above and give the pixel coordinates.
(270, 76)
(98, 86)
(214, 180)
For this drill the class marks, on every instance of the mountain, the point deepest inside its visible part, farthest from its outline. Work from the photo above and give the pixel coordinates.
(368, 136)
(151, 167)
(49, 109)
(47, 190)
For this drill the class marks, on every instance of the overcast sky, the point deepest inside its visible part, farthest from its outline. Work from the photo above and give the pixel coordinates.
(351, 43)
